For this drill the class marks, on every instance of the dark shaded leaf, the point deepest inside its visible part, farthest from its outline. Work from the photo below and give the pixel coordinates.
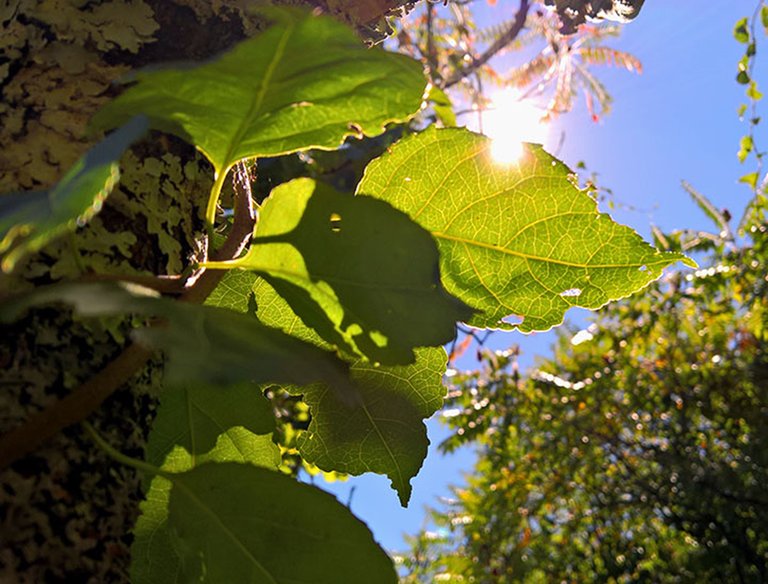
(333, 257)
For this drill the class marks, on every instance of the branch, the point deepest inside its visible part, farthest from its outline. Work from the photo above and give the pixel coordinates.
(499, 44)
(87, 398)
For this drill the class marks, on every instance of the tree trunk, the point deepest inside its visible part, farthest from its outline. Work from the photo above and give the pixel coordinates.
(66, 511)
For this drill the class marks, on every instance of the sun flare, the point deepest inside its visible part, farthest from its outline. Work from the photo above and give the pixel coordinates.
(509, 122)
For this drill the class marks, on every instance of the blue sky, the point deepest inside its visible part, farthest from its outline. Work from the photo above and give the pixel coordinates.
(676, 121)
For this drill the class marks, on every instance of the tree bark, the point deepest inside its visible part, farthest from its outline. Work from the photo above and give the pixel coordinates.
(66, 510)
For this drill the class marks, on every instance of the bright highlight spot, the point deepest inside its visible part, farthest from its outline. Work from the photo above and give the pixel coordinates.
(509, 122)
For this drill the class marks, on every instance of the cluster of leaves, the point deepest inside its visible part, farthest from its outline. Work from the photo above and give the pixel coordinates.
(746, 33)
(341, 298)
(638, 451)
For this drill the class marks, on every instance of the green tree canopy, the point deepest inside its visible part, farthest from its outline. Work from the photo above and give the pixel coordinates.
(637, 452)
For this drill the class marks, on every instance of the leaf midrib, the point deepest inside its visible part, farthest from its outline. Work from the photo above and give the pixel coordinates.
(526, 256)
(255, 108)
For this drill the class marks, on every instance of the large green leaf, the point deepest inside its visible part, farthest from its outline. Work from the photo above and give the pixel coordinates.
(518, 239)
(244, 524)
(304, 82)
(33, 219)
(154, 551)
(358, 271)
(204, 344)
(195, 425)
(383, 432)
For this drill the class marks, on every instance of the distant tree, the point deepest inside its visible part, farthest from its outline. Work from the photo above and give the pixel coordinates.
(639, 450)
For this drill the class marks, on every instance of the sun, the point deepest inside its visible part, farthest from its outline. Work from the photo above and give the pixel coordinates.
(509, 122)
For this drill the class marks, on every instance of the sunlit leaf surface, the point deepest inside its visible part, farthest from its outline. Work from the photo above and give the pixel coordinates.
(304, 82)
(333, 257)
(517, 240)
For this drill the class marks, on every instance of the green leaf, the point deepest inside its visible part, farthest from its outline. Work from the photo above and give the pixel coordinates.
(204, 345)
(384, 432)
(359, 272)
(750, 179)
(305, 82)
(516, 239)
(443, 107)
(33, 219)
(154, 555)
(746, 145)
(239, 523)
(196, 416)
(764, 17)
(743, 77)
(753, 92)
(741, 31)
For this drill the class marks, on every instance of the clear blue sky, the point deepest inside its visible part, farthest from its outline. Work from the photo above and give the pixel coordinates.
(675, 121)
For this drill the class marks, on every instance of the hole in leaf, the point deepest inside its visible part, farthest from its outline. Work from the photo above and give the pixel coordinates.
(512, 319)
(571, 293)
(643, 268)
(335, 222)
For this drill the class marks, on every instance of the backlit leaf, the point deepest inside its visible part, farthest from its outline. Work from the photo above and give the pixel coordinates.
(196, 416)
(358, 271)
(239, 523)
(154, 555)
(32, 219)
(304, 82)
(384, 432)
(518, 239)
(741, 31)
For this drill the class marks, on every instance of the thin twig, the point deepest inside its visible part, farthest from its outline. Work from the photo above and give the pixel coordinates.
(84, 400)
(431, 53)
(498, 45)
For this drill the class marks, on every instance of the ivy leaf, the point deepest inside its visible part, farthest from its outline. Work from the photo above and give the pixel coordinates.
(741, 31)
(517, 239)
(204, 345)
(332, 257)
(236, 523)
(32, 219)
(750, 179)
(305, 82)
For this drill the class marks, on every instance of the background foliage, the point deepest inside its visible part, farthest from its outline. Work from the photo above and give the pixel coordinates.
(637, 451)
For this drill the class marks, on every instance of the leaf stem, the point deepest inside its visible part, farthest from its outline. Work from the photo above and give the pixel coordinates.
(119, 456)
(213, 199)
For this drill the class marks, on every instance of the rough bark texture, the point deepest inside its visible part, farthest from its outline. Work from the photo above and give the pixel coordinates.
(66, 511)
